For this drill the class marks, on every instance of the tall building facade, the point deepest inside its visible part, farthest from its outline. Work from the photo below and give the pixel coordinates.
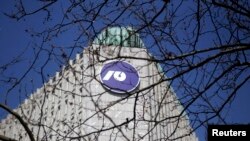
(112, 91)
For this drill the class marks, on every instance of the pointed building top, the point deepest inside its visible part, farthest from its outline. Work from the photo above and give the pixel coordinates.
(119, 36)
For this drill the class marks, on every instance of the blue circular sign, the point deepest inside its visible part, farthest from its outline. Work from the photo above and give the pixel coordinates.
(119, 77)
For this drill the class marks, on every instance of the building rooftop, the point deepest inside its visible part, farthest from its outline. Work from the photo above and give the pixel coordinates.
(119, 36)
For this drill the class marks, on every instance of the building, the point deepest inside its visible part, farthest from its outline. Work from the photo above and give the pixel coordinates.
(111, 91)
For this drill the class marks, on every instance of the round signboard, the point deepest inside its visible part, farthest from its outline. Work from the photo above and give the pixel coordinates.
(119, 77)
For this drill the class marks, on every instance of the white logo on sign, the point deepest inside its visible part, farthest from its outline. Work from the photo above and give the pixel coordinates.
(118, 75)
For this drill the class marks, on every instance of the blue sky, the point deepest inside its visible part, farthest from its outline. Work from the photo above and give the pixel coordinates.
(15, 41)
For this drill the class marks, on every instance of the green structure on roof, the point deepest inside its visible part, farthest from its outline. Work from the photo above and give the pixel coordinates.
(119, 36)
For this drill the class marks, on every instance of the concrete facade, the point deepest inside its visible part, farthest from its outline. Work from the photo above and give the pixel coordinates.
(74, 105)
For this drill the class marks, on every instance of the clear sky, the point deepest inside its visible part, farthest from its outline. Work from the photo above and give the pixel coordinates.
(14, 40)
